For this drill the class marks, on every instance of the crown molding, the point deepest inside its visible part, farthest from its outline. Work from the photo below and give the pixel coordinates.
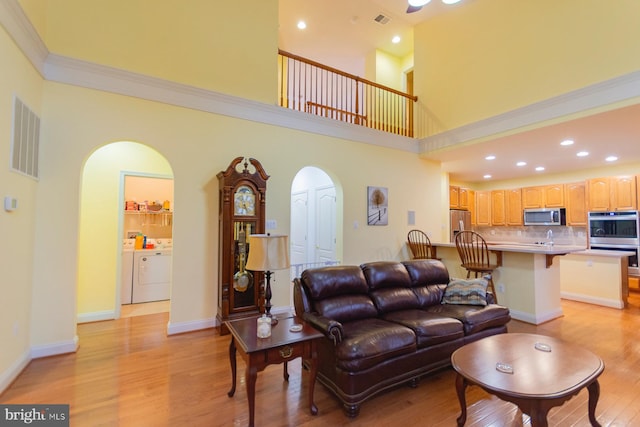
(25, 36)
(618, 89)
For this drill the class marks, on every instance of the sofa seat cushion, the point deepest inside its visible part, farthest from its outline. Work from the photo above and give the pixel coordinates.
(475, 318)
(369, 342)
(430, 328)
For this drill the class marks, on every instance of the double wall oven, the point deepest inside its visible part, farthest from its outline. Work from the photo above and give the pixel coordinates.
(618, 231)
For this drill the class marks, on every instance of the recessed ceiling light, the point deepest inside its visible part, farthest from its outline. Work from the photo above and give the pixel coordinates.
(302, 25)
(582, 154)
(540, 168)
(450, 1)
(395, 39)
(611, 159)
(487, 176)
(490, 157)
(567, 142)
(418, 3)
(521, 164)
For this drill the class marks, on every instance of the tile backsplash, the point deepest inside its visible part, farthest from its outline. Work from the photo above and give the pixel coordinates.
(562, 235)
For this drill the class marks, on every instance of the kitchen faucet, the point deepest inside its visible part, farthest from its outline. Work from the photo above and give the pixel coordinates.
(550, 236)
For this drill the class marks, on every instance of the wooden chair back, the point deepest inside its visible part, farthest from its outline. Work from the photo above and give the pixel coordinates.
(420, 244)
(473, 250)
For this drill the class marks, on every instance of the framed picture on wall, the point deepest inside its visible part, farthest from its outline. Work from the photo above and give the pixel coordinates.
(377, 206)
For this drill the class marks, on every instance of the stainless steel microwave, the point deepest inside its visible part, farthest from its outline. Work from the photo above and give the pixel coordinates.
(545, 216)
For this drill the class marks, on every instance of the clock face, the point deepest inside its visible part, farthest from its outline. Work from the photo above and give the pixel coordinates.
(244, 201)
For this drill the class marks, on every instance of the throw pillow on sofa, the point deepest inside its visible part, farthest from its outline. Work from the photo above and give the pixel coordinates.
(469, 292)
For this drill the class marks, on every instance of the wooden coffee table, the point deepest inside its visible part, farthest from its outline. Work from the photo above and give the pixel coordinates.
(281, 347)
(546, 372)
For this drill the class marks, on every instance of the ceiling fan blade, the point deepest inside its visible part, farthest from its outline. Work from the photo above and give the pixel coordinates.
(412, 9)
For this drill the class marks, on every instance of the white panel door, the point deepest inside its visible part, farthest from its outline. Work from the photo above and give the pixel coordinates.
(299, 230)
(325, 220)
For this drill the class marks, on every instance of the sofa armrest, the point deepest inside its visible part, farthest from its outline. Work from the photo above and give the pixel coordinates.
(332, 329)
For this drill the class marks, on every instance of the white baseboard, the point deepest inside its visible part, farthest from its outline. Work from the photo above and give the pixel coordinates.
(55, 348)
(7, 377)
(190, 326)
(592, 300)
(96, 316)
(535, 319)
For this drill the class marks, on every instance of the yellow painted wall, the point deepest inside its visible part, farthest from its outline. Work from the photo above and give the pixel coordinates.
(197, 146)
(100, 212)
(17, 228)
(490, 57)
(226, 46)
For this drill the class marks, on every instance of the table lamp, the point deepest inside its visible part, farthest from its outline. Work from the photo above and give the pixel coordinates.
(268, 252)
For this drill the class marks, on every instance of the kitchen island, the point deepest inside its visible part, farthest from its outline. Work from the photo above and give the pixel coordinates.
(528, 279)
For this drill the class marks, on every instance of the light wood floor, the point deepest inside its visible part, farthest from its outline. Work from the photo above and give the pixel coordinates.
(129, 373)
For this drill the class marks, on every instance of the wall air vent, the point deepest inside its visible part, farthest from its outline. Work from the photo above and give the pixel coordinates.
(26, 140)
(382, 19)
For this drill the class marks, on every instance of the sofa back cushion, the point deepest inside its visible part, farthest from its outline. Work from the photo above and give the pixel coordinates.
(429, 279)
(389, 286)
(339, 292)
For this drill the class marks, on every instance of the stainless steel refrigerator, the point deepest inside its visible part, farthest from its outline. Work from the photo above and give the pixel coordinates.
(460, 221)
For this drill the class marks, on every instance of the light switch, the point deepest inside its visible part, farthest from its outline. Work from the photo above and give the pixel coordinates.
(271, 224)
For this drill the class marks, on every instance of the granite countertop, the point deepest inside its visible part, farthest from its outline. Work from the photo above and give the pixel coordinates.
(531, 248)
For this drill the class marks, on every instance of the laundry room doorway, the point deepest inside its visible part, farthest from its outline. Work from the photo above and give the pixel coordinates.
(102, 224)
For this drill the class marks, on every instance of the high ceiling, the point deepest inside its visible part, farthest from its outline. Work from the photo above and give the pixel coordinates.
(340, 33)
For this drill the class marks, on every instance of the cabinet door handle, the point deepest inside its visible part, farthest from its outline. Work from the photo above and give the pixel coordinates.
(286, 352)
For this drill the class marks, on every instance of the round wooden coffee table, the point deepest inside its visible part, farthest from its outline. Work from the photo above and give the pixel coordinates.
(535, 372)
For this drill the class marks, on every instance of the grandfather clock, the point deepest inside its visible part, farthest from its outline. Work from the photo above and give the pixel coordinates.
(242, 212)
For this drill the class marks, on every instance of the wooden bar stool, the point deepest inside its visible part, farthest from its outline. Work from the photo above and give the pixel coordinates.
(474, 255)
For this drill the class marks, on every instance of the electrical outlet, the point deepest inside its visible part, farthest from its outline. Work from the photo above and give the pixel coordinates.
(501, 288)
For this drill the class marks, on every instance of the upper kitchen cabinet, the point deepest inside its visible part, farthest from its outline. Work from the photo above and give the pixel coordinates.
(483, 208)
(471, 197)
(454, 197)
(576, 203)
(513, 208)
(498, 207)
(612, 193)
(460, 197)
(544, 196)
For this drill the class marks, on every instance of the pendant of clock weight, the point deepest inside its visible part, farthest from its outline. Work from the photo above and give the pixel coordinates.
(243, 279)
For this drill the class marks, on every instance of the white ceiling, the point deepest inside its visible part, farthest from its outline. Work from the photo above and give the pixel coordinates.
(341, 32)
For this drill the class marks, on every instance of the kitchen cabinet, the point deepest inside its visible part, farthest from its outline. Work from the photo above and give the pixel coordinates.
(624, 193)
(483, 207)
(612, 193)
(454, 197)
(554, 196)
(513, 209)
(459, 197)
(498, 207)
(576, 203)
(471, 197)
(544, 196)
(241, 213)
(532, 197)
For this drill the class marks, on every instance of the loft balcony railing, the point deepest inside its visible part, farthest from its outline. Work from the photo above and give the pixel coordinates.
(308, 86)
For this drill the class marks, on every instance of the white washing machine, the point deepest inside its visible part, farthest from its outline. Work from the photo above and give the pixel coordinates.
(152, 273)
(126, 280)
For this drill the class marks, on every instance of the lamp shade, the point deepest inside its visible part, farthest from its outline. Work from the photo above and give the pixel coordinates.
(268, 252)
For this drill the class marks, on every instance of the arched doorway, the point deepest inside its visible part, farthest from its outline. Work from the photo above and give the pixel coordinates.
(101, 232)
(314, 214)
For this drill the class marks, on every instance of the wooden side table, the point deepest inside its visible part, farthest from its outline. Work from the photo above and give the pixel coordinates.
(282, 346)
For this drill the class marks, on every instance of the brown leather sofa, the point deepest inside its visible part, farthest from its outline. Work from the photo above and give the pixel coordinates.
(385, 324)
